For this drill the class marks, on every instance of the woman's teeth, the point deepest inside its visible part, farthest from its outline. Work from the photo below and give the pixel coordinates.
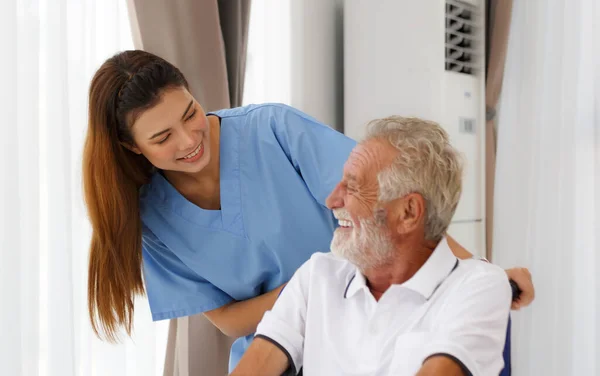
(195, 152)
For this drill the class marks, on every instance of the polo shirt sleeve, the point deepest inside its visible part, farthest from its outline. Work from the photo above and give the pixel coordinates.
(285, 324)
(316, 151)
(173, 289)
(472, 328)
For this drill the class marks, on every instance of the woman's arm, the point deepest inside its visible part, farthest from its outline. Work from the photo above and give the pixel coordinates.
(521, 276)
(458, 250)
(239, 319)
(262, 358)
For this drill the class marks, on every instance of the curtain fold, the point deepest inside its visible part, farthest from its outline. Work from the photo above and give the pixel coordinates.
(498, 26)
(207, 40)
(235, 18)
(547, 203)
(50, 51)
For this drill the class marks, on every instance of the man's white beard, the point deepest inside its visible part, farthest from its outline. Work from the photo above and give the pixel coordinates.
(366, 247)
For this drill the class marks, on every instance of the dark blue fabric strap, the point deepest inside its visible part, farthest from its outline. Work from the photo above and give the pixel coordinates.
(506, 355)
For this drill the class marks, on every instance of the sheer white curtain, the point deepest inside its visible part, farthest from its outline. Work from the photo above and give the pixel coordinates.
(49, 52)
(268, 61)
(547, 206)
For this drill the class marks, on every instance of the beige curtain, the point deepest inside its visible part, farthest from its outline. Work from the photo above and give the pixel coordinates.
(207, 40)
(498, 26)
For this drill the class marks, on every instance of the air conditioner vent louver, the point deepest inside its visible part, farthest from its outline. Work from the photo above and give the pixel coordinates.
(462, 22)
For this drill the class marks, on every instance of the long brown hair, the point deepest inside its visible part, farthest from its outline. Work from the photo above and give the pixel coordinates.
(124, 86)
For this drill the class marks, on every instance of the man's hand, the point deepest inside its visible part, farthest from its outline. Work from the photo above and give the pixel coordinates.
(522, 278)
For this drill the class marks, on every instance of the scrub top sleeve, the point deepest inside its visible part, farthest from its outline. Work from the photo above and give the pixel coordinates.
(173, 289)
(317, 151)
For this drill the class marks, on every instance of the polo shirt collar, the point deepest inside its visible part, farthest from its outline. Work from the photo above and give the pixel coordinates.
(426, 280)
(356, 283)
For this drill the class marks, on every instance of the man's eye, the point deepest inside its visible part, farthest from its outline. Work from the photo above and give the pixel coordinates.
(164, 139)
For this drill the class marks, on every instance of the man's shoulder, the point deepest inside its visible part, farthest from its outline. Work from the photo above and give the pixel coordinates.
(327, 265)
(327, 260)
(477, 276)
(473, 267)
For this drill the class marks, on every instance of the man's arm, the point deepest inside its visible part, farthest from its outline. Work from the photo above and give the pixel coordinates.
(263, 358)
(471, 331)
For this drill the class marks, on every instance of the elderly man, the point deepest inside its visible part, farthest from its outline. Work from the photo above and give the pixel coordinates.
(391, 298)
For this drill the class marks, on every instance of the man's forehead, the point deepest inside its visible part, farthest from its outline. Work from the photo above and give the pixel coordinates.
(369, 156)
(354, 166)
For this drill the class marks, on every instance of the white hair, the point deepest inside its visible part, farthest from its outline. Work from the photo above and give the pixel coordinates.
(426, 164)
(368, 246)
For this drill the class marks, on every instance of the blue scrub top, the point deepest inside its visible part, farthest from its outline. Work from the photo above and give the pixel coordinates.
(278, 166)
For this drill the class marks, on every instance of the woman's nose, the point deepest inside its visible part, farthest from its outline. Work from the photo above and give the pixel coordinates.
(187, 139)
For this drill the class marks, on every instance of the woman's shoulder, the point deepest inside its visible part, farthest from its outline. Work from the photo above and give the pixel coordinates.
(257, 113)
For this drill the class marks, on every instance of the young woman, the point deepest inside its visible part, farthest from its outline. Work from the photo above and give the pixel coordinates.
(217, 210)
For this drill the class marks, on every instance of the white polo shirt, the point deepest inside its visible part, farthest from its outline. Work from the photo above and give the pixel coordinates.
(328, 323)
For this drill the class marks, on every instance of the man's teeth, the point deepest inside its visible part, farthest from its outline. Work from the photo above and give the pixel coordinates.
(192, 154)
(345, 223)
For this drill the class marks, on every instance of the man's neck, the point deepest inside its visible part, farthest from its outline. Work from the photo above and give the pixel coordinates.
(408, 259)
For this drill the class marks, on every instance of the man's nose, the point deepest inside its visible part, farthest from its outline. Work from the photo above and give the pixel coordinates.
(336, 198)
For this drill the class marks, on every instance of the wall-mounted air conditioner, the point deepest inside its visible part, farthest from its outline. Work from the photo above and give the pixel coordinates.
(423, 58)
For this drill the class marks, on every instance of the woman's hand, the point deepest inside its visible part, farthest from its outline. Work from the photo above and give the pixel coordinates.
(522, 278)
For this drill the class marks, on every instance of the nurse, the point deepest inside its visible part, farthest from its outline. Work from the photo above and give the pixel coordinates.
(212, 212)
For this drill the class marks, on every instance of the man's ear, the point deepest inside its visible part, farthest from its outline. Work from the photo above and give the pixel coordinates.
(131, 148)
(410, 213)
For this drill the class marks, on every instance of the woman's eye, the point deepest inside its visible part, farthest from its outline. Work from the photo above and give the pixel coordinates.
(164, 139)
(191, 115)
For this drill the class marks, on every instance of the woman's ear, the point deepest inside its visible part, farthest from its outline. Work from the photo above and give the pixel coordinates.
(131, 148)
